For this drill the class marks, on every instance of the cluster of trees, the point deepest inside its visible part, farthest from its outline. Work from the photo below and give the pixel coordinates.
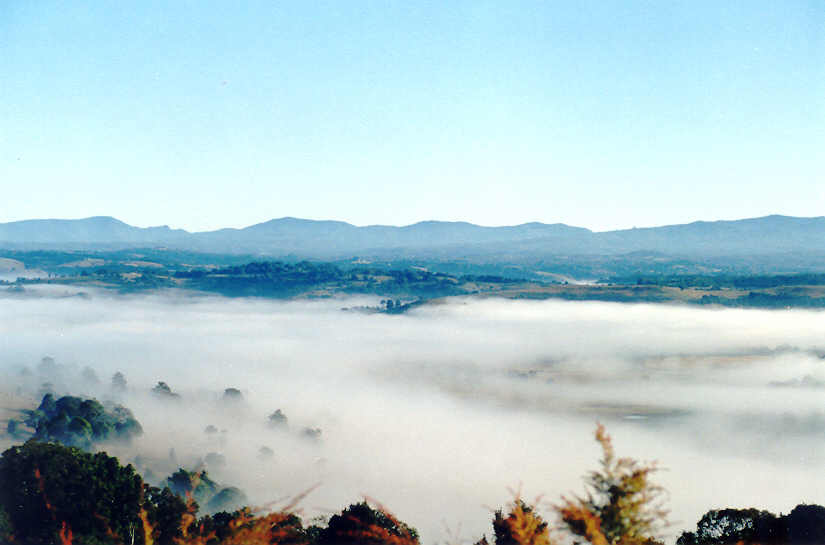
(81, 422)
(783, 299)
(280, 279)
(717, 281)
(804, 525)
(279, 421)
(197, 485)
(272, 279)
(52, 493)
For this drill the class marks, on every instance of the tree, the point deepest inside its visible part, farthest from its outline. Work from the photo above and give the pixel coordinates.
(77, 422)
(118, 382)
(227, 499)
(89, 376)
(162, 390)
(232, 395)
(360, 524)
(622, 505)
(722, 526)
(5, 526)
(164, 511)
(194, 485)
(46, 488)
(806, 524)
(278, 419)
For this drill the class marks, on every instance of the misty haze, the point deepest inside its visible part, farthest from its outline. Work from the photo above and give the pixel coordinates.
(437, 411)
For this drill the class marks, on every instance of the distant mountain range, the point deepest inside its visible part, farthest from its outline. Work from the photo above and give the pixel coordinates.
(294, 237)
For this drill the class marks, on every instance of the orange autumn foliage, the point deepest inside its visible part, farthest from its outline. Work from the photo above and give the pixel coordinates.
(247, 529)
(521, 526)
(65, 534)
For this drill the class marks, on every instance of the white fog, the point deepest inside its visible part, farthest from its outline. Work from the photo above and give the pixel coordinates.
(435, 413)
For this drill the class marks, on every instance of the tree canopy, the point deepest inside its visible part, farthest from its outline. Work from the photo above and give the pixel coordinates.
(81, 422)
(46, 488)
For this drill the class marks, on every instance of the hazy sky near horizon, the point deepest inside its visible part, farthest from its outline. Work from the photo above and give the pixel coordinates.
(602, 114)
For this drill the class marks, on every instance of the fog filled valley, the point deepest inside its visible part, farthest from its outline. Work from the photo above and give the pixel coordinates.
(436, 412)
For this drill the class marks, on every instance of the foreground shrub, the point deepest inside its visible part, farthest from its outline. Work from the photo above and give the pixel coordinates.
(521, 526)
(622, 505)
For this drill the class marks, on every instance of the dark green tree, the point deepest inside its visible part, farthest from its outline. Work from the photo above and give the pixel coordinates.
(195, 485)
(46, 485)
(164, 511)
(360, 524)
(77, 422)
(806, 524)
(729, 526)
(5, 526)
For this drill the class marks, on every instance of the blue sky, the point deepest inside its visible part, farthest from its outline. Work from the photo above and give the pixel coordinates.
(600, 114)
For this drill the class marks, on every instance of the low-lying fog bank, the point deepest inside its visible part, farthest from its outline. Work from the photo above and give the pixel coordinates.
(436, 412)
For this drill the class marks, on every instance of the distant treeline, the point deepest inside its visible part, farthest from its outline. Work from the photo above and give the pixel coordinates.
(280, 279)
(277, 279)
(718, 281)
(785, 299)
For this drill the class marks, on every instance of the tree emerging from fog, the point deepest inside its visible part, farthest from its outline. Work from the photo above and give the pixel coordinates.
(81, 422)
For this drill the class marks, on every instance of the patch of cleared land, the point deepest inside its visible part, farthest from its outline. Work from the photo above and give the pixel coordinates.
(11, 265)
(83, 263)
(143, 264)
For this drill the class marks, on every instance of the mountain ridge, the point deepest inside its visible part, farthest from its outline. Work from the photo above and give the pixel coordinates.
(772, 234)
